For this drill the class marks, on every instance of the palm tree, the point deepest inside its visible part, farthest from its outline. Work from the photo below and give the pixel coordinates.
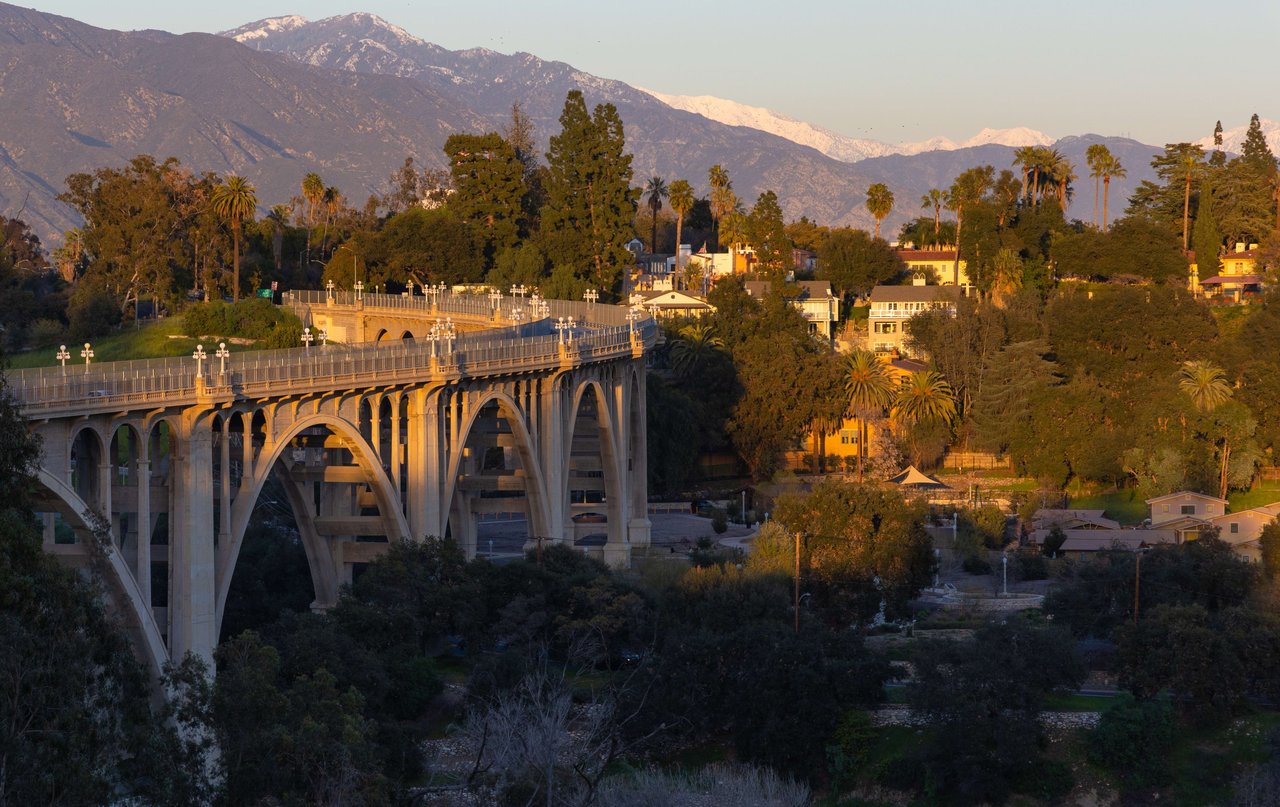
(312, 192)
(924, 397)
(656, 190)
(694, 346)
(332, 198)
(879, 203)
(870, 389)
(936, 199)
(1205, 384)
(1111, 168)
(680, 195)
(734, 227)
(235, 201)
(279, 218)
(1060, 173)
(1025, 158)
(722, 198)
(1189, 163)
(1096, 156)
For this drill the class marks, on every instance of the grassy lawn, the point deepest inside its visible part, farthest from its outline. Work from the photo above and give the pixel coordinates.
(1207, 760)
(148, 342)
(1264, 492)
(1125, 506)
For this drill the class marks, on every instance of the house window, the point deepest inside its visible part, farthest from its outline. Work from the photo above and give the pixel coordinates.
(886, 327)
(848, 437)
(1235, 527)
(1164, 508)
(1188, 509)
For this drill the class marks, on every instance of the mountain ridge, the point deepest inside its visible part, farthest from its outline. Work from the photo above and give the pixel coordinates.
(350, 97)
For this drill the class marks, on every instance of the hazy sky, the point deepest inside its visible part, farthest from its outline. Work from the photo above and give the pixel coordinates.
(890, 70)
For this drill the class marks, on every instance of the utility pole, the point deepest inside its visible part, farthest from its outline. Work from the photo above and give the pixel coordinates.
(1137, 586)
(797, 586)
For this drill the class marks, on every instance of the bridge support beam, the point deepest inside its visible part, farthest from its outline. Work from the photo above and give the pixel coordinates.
(192, 591)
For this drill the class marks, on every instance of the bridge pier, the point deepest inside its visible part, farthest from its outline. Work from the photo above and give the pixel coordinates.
(192, 591)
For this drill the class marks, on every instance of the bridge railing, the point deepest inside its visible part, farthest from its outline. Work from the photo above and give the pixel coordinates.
(173, 380)
(470, 304)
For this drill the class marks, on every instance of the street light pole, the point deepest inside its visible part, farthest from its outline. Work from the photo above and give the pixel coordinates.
(199, 355)
(62, 356)
(87, 355)
(307, 338)
(222, 354)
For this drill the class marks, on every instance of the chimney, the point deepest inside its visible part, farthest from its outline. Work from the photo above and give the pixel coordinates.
(1239, 246)
(918, 279)
(1252, 247)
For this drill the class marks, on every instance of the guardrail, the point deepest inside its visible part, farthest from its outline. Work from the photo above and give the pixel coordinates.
(446, 303)
(261, 373)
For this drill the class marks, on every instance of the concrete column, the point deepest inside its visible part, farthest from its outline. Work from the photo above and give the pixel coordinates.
(396, 454)
(424, 466)
(192, 590)
(638, 528)
(142, 563)
(224, 483)
(106, 479)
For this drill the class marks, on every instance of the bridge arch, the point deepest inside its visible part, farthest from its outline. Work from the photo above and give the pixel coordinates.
(536, 492)
(608, 425)
(122, 588)
(361, 451)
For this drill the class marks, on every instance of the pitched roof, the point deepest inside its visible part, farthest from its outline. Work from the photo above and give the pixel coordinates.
(914, 294)
(1181, 493)
(1225, 279)
(808, 289)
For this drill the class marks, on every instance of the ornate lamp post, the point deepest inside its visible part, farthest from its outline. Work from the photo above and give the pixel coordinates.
(307, 338)
(573, 323)
(324, 337)
(329, 286)
(433, 336)
(409, 286)
(633, 315)
(222, 353)
(517, 315)
(495, 299)
(87, 355)
(561, 326)
(519, 291)
(359, 290)
(591, 295)
(62, 356)
(199, 355)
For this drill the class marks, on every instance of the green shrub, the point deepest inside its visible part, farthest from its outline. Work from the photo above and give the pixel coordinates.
(851, 749)
(1133, 739)
(719, 522)
(256, 318)
(1031, 567)
(92, 314)
(975, 564)
(45, 333)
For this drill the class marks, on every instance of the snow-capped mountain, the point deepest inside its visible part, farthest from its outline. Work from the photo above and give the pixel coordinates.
(833, 144)
(1233, 138)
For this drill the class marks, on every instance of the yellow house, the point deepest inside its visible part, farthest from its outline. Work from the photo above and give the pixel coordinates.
(1238, 277)
(940, 263)
(838, 449)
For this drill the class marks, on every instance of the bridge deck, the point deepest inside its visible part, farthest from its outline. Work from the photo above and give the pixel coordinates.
(603, 333)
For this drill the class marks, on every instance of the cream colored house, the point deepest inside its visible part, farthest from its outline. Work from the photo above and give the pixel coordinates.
(892, 308)
(812, 298)
(1239, 276)
(938, 264)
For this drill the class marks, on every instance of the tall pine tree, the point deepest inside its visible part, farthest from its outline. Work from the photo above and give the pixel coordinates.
(489, 188)
(1245, 207)
(586, 220)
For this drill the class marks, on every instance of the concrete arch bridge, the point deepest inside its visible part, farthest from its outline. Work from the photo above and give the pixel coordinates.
(433, 412)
